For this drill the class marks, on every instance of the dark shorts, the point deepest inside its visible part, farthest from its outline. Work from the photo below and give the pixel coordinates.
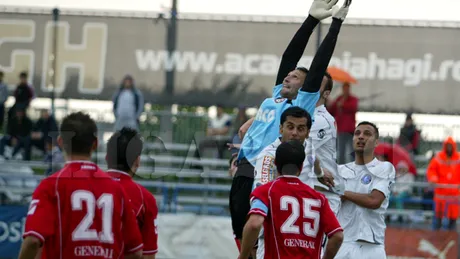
(239, 198)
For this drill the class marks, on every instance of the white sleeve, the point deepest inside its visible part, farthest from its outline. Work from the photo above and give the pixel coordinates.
(385, 185)
(264, 167)
(320, 132)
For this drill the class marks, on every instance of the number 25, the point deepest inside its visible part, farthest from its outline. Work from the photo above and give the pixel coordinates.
(289, 226)
(82, 231)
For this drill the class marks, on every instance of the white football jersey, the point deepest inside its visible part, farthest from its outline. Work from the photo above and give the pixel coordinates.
(321, 144)
(360, 223)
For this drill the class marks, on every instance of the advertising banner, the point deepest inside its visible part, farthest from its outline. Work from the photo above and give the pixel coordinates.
(419, 244)
(12, 219)
(232, 62)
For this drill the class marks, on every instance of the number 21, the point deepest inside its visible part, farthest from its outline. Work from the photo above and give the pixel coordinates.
(82, 231)
(289, 226)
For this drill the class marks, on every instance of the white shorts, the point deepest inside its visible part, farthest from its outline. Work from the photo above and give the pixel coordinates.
(260, 249)
(361, 250)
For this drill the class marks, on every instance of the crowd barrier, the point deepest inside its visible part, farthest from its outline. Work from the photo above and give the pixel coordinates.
(209, 237)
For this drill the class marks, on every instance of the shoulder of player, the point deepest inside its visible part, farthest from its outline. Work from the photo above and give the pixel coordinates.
(382, 169)
(146, 193)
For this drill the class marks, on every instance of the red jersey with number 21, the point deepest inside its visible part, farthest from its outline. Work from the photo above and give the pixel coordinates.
(296, 218)
(81, 212)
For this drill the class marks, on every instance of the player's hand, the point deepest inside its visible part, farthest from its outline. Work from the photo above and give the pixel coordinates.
(327, 179)
(232, 146)
(321, 9)
(341, 12)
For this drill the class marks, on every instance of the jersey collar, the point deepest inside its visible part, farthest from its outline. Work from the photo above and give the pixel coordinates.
(118, 174)
(321, 108)
(79, 162)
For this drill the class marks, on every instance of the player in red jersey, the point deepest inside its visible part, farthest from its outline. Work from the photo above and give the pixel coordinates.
(80, 211)
(294, 216)
(123, 158)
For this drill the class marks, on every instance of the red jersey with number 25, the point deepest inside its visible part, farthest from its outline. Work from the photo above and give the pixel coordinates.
(296, 218)
(81, 212)
(145, 208)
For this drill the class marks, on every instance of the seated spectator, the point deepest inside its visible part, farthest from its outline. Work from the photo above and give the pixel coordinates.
(18, 133)
(217, 133)
(45, 128)
(409, 136)
(54, 156)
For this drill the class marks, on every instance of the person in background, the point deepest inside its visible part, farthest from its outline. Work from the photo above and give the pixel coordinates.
(3, 98)
(409, 136)
(18, 132)
(406, 172)
(240, 119)
(217, 133)
(45, 128)
(54, 157)
(128, 105)
(444, 168)
(344, 110)
(23, 95)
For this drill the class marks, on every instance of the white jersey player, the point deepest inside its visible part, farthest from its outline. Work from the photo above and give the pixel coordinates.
(321, 144)
(368, 183)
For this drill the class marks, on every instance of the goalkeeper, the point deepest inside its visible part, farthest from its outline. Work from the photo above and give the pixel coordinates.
(294, 87)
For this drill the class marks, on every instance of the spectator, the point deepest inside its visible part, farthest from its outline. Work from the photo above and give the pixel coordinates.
(54, 157)
(409, 136)
(344, 110)
(217, 133)
(23, 95)
(18, 133)
(405, 172)
(45, 128)
(3, 98)
(444, 168)
(240, 119)
(128, 105)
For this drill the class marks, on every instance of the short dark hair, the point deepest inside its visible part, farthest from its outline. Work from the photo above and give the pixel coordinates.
(123, 148)
(23, 74)
(377, 134)
(289, 157)
(330, 82)
(303, 69)
(78, 133)
(296, 112)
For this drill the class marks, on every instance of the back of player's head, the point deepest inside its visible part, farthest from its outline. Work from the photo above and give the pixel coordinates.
(289, 157)
(123, 148)
(78, 134)
(296, 112)
(330, 82)
(376, 129)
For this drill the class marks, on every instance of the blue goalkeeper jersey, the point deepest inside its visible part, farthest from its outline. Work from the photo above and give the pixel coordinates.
(265, 128)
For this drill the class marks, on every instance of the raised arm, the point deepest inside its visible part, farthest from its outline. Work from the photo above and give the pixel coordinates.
(319, 10)
(321, 60)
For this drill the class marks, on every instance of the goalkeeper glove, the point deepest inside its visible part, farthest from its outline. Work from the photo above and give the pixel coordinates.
(321, 9)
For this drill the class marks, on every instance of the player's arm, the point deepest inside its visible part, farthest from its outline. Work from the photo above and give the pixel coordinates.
(149, 230)
(252, 227)
(40, 221)
(332, 229)
(131, 234)
(371, 200)
(319, 10)
(322, 57)
(381, 190)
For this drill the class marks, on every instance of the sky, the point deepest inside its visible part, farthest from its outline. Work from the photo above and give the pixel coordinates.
(438, 10)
